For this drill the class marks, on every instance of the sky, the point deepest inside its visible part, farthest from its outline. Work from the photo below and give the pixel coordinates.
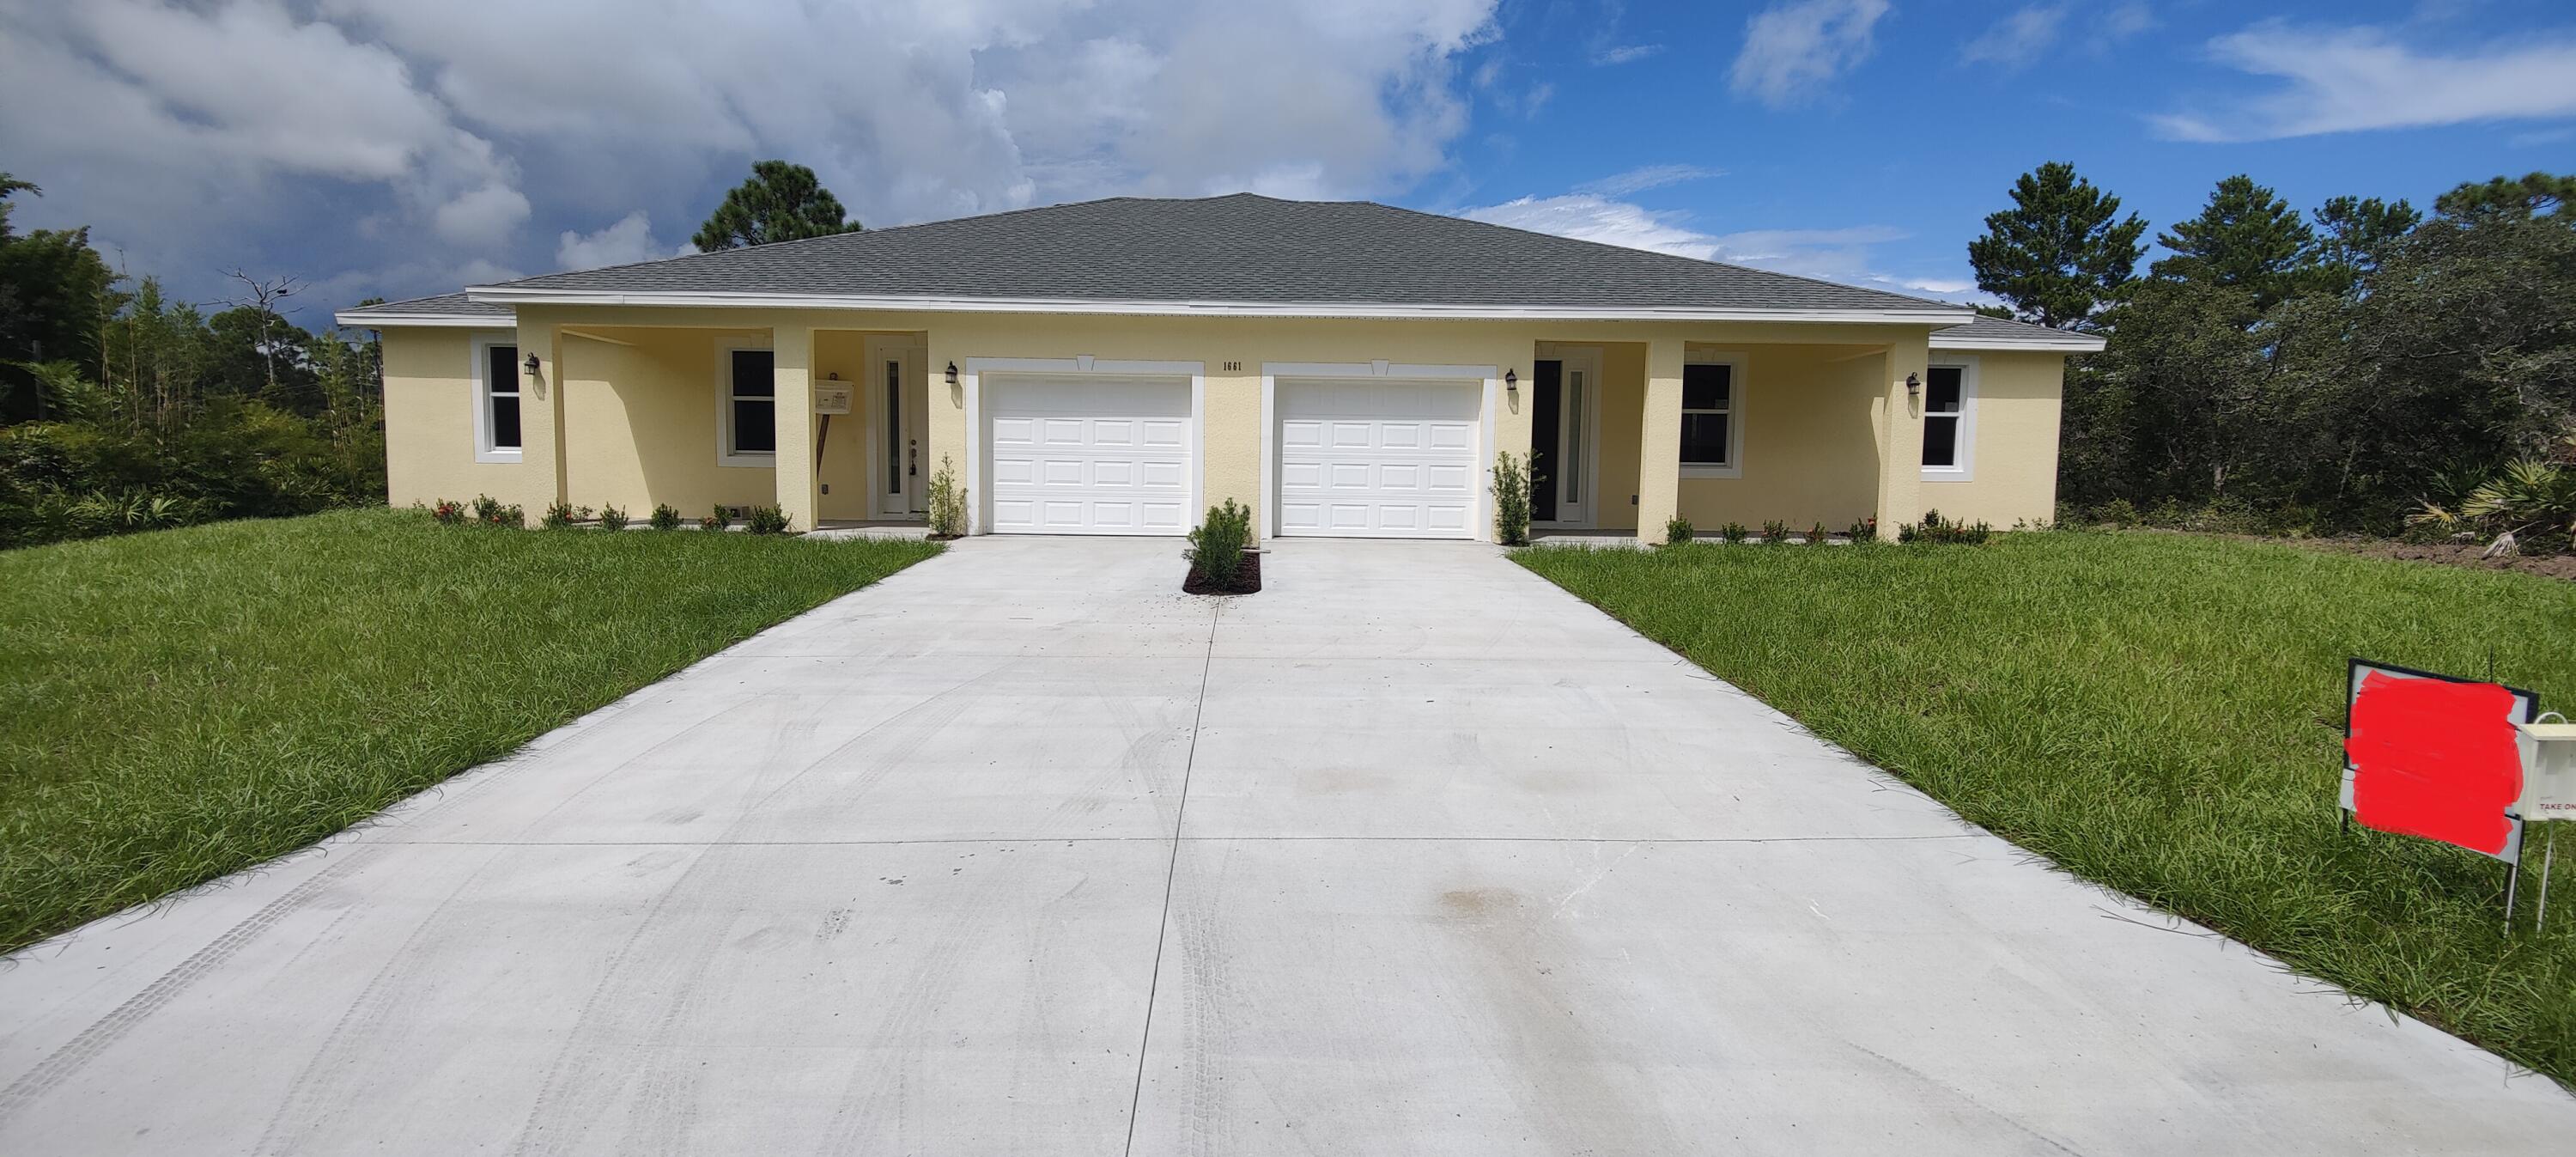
(400, 148)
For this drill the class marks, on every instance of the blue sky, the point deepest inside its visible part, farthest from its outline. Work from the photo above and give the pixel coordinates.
(398, 148)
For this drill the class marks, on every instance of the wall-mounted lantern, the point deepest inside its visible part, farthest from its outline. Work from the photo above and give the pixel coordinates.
(531, 365)
(1512, 385)
(1913, 386)
(952, 374)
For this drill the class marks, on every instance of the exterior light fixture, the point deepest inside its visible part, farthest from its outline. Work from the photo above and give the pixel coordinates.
(531, 365)
(952, 373)
(1512, 384)
(1913, 386)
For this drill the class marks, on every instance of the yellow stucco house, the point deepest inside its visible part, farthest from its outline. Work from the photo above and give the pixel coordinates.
(1117, 366)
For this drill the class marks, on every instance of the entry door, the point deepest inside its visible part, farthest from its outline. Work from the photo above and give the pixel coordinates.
(1566, 411)
(896, 392)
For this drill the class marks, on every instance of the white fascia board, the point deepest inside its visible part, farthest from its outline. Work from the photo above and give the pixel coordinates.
(2071, 344)
(361, 320)
(503, 295)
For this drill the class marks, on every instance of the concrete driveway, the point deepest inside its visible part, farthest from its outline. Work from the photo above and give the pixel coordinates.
(1462, 867)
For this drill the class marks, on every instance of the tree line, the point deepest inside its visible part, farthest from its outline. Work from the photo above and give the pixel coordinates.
(2357, 368)
(122, 409)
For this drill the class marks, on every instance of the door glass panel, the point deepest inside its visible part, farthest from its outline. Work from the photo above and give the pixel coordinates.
(894, 426)
(1572, 487)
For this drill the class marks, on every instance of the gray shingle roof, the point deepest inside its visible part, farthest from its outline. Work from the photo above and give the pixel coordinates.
(1241, 248)
(2003, 333)
(443, 305)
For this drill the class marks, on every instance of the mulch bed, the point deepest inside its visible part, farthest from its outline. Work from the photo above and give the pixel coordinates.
(2558, 566)
(1247, 579)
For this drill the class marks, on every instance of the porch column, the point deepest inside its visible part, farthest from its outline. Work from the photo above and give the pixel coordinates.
(541, 419)
(1900, 430)
(1659, 441)
(800, 492)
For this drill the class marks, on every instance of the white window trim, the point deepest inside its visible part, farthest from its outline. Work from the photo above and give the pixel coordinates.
(970, 382)
(1482, 514)
(725, 455)
(484, 451)
(1965, 467)
(1735, 394)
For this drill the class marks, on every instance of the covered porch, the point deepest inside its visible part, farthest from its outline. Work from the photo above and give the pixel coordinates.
(830, 425)
(1624, 435)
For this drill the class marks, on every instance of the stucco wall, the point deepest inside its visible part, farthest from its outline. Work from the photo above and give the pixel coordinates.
(429, 422)
(2014, 475)
(639, 419)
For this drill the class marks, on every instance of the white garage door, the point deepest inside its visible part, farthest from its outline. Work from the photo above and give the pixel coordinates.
(1376, 459)
(1088, 455)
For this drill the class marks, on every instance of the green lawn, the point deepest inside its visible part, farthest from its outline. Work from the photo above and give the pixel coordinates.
(178, 705)
(2161, 714)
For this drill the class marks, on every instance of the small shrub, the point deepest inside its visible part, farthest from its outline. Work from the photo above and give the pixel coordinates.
(1734, 532)
(558, 515)
(1864, 530)
(718, 519)
(1934, 530)
(665, 516)
(1816, 535)
(947, 502)
(489, 511)
(611, 518)
(1216, 546)
(449, 512)
(1678, 530)
(2118, 512)
(766, 520)
(2166, 515)
(1775, 532)
(1512, 499)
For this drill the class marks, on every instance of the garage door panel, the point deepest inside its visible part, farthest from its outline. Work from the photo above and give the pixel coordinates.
(1084, 455)
(1376, 458)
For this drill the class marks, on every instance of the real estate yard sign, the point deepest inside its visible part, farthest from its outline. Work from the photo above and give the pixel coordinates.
(2433, 756)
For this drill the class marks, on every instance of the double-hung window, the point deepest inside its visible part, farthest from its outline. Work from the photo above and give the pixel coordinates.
(750, 407)
(1712, 436)
(496, 403)
(1949, 429)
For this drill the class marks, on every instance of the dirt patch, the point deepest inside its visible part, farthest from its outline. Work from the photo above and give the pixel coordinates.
(1247, 579)
(2557, 566)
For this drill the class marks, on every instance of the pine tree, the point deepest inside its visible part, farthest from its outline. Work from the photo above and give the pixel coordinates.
(2245, 238)
(781, 202)
(2352, 233)
(2059, 255)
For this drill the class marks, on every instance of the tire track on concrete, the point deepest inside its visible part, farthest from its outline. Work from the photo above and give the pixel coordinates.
(335, 1078)
(77, 1053)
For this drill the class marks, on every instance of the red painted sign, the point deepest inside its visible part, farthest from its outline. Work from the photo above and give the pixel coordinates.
(2436, 759)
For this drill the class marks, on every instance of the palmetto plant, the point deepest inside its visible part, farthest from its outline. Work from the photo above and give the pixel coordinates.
(2529, 495)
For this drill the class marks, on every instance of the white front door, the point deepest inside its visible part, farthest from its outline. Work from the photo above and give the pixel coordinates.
(1083, 454)
(893, 402)
(1371, 458)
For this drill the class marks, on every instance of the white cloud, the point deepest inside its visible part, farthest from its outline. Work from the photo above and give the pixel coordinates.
(362, 132)
(1639, 180)
(1624, 53)
(2018, 40)
(1791, 51)
(1591, 217)
(2356, 79)
(628, 241)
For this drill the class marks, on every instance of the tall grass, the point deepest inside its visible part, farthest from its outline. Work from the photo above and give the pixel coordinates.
(178, 705)
(2162, 714)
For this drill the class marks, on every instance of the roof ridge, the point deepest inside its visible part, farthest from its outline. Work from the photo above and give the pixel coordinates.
(776, 245)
